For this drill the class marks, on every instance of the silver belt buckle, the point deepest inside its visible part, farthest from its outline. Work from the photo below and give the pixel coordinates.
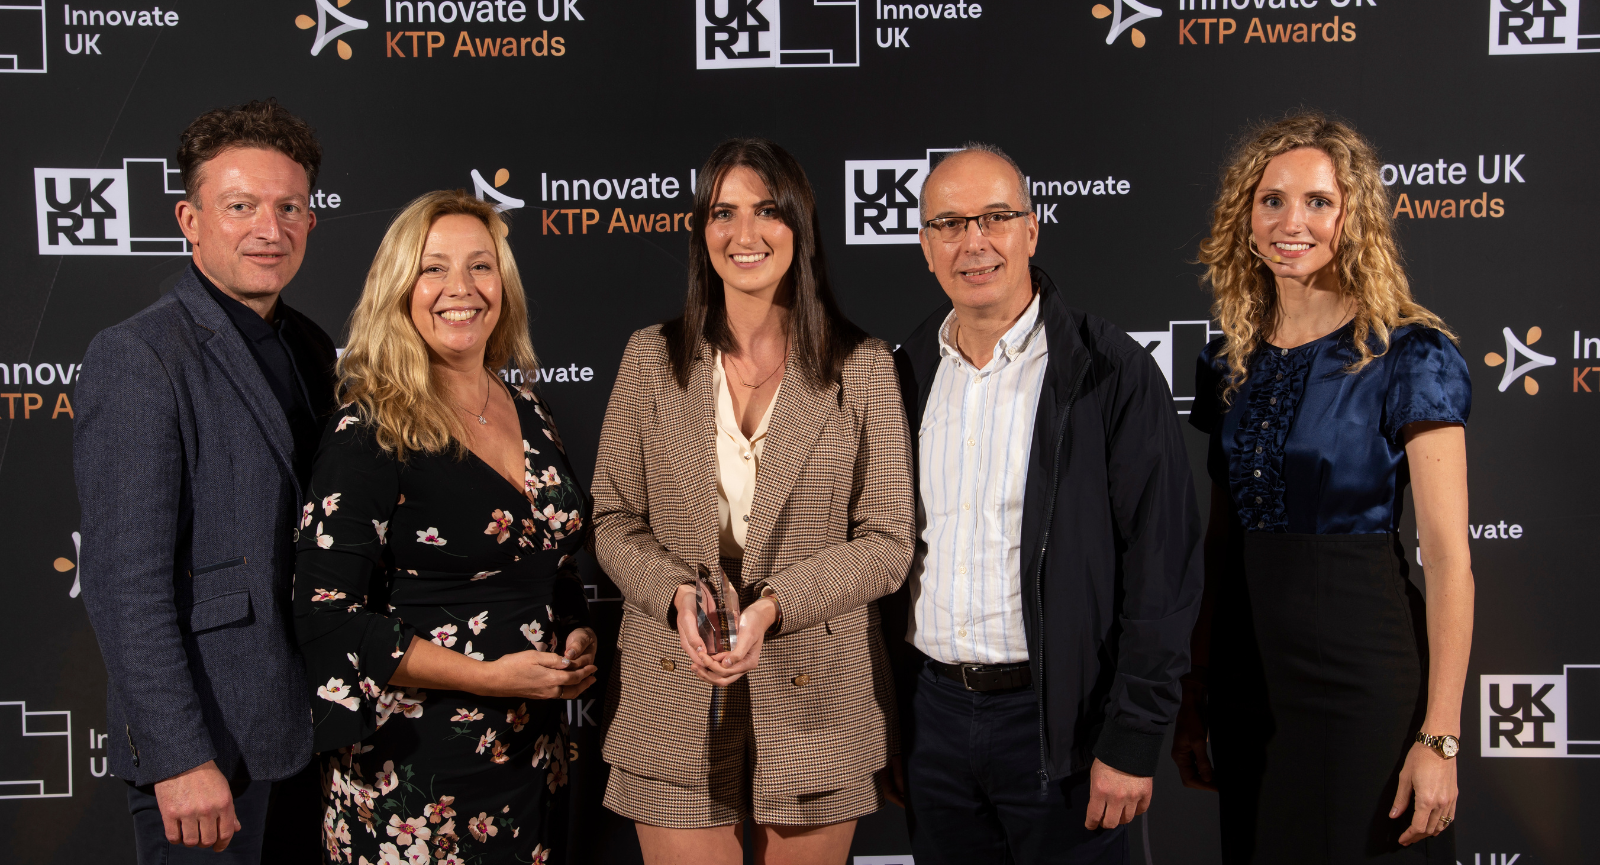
(965, 668)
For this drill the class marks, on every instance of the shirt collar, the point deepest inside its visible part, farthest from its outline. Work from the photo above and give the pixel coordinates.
(1013, 343)
(250, 324)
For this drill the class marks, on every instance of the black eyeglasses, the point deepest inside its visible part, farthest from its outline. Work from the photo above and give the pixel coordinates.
(952, 228)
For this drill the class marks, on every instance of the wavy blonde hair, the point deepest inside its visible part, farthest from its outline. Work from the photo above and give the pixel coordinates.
(1245, 298)
(384, 369)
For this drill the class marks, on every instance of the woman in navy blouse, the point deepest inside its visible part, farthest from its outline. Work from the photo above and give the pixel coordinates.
(1331, 695)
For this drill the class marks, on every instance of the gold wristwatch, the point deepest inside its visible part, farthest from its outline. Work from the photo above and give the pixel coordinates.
(1446, 746)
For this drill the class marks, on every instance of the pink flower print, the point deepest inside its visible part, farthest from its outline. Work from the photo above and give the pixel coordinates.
(550, 477)
(326, 595)
(541, 856)
(387, 780)
(575, 523)
(549, 544)
(553, 516)
(530, 481)
(417, 854)
(431, 537)
(353, 659)
(388, 854)
(499, 755)
(466, 715)
(482, 826)
(341, 833)
(403, 831)
(535, 633)
(483, 575)
(331, 503)
(485, 739)
(336, 691)
(346, 421)
(525, 392)
(444, 635)
(409, 705)
(305, 514)
(451, 859)
(323, 541)
(517, 718)
(476, 656)
(436, 811)
(556, 774)
(499, 525)
(528, 449)
(370, 688)
(383, 531)
(479, 622)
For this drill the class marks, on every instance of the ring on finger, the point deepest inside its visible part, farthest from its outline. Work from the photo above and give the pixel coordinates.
(1446, 821)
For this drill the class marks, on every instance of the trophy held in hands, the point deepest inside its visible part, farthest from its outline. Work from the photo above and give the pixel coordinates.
(716, 611)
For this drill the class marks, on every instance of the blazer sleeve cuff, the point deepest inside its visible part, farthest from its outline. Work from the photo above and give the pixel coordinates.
(1128, 750)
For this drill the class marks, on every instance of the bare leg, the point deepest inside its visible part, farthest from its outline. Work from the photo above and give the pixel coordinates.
(804, 845)
(719, 845)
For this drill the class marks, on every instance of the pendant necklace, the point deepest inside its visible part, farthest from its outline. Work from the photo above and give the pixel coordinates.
(480, 413)
(768, 377)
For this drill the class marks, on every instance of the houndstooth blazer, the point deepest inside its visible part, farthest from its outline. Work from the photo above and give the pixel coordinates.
(831, 530)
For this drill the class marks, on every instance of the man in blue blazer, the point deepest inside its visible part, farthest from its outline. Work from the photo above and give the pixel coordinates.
(198, 419)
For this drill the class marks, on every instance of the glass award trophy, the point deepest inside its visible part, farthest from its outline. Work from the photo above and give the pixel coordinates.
(716, 611)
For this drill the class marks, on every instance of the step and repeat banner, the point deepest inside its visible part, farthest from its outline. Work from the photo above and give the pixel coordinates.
(586, 121)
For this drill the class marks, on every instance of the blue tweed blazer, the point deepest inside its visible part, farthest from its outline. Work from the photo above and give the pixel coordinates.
(185, 472)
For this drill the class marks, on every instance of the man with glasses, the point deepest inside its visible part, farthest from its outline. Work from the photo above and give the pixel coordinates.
(1057, 575)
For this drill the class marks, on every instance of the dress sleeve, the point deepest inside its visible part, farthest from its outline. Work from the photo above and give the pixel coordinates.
(1430, 382)
(1206, 413)
(350, 648)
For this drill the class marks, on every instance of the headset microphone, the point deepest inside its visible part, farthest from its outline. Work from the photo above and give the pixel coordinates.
(1276, 259)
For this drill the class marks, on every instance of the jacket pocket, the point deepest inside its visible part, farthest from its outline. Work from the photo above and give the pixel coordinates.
(224, 609)
(218, 566)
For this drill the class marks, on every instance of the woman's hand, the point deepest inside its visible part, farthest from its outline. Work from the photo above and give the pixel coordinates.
(1433, 778)
(1189, 741)
(727, 667)
(686, 601)
(581, 646)
(537, 676)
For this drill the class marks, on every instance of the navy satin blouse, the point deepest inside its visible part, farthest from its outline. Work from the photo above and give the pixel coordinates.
(1306, 447)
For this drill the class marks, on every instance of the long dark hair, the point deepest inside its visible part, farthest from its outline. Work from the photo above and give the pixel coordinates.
(822, 336)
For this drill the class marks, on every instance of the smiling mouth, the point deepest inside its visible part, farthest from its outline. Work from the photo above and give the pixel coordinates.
(982, 271)
(458, 314)
(749, 257)
(1292, 247)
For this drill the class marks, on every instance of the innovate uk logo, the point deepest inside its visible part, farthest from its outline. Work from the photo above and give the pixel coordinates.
(1542, 716)
(109, 211)
(745, 34)
(324, 35)
(1123, 20)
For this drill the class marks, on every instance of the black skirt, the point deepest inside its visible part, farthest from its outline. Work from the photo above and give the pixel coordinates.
(1318, 688)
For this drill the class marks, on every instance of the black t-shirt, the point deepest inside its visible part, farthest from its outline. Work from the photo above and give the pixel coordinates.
(273, 344)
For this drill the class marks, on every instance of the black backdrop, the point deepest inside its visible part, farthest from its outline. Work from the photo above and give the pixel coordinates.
(1485, 109)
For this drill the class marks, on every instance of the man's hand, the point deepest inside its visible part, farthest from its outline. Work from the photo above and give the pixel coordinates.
(1115, 797)
(197, 808)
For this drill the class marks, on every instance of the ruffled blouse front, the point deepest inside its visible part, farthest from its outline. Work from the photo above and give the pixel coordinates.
(1304, 446)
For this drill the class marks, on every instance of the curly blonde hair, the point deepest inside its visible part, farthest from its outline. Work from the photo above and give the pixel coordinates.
(384, 369)
(1245, 299)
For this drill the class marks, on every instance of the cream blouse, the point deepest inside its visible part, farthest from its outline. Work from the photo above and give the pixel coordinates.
(738, 462)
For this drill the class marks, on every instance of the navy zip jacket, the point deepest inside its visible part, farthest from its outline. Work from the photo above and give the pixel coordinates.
(1111, 563)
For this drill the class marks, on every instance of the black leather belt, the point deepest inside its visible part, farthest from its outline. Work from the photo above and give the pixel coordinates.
(985, 677)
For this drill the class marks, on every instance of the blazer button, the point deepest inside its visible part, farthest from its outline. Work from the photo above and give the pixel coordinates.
(667, 665)
(802, 680)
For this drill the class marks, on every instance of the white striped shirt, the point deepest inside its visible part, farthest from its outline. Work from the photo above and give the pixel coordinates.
(973, 445)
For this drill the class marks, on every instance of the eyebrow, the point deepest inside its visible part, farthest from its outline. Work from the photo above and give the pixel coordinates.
(762, 203)
(1322, 192)
(991, 207)
(442, 255)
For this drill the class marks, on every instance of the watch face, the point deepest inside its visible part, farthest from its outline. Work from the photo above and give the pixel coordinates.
(1449, 745)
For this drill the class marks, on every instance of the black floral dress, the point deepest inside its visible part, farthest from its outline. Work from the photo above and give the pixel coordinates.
(447, 549)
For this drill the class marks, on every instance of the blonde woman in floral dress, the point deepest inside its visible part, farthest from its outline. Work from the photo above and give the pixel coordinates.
(434, 597)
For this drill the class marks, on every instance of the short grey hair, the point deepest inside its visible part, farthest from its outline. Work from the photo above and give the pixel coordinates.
(975, 147)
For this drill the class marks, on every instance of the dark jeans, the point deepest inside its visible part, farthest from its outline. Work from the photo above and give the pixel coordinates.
(973, 784)
(284, 817)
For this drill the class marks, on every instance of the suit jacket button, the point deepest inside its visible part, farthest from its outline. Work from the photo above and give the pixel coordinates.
(802, 680)
(667, 665)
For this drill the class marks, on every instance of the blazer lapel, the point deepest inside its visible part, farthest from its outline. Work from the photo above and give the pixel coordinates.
(798, 418)
(691, 420)
(220, 340)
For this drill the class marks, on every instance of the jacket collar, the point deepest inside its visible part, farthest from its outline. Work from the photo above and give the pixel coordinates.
(798, 418)
(221, 341)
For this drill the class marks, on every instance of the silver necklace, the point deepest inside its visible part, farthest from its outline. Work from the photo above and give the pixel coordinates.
(479, 414)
